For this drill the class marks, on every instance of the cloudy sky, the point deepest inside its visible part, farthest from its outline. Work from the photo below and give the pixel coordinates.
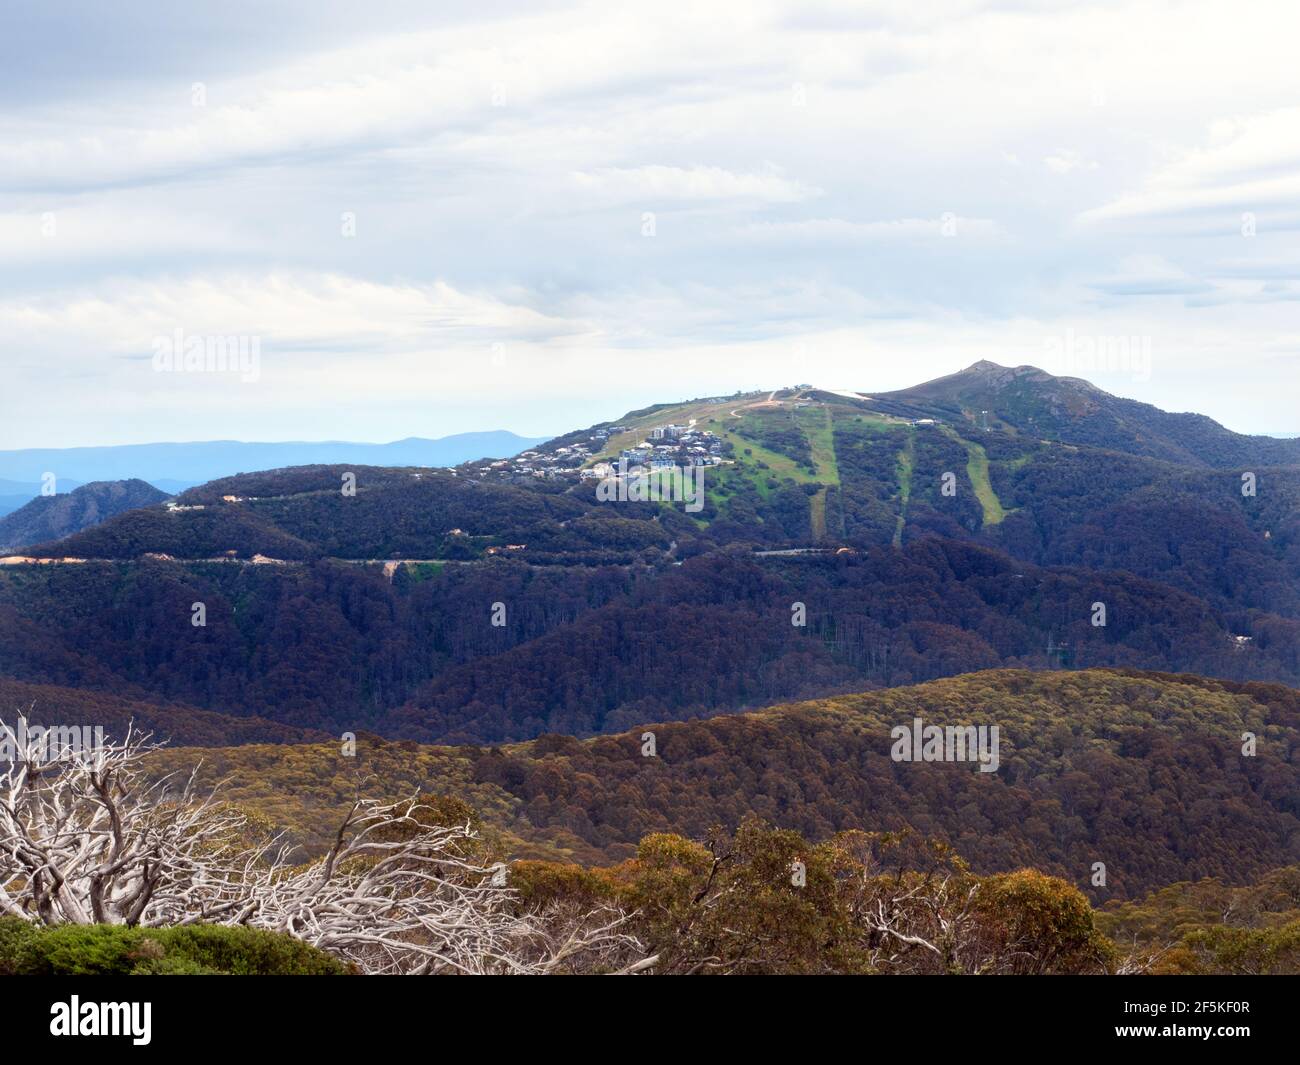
(539, 215)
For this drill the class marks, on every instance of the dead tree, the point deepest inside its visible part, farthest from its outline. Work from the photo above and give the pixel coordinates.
(86, 837)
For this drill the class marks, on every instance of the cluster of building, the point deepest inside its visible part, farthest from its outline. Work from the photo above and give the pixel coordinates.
(668, 447)
(564, 461)
(664, 447)
(567, 459)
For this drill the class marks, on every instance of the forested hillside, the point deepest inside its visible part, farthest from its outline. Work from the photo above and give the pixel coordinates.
(584, 649)
(167, 722)
(1142, 772)
(51, 517)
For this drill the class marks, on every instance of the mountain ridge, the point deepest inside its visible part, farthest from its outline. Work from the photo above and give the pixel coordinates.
(196, 462)
(1073, 410)
(1190, 805)
(53, 517)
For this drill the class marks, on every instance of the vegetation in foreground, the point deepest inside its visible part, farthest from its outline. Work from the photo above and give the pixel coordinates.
(31, 949)
(105, 871)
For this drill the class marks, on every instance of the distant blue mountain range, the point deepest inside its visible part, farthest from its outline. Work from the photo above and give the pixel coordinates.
(175, 467)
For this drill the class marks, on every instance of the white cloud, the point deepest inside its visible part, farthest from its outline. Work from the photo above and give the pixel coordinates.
(1065, 160)
(822, 232)
(498, 167)
(289, 312)
(1242, 164)
(108, 232)
(650, 184)
(1151, 275)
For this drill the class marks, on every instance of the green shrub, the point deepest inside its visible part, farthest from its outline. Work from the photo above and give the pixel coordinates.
(249, 951)
(192, 950)
(80, 950)
(14, 935)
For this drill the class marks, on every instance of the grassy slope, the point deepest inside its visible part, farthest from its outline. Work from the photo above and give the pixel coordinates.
(906, 464)
(977, 469)
(817, 514)
(816, 423)
(779, 466)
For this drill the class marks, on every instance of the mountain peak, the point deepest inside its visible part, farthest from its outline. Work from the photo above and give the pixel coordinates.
(48, 518)
(987, 368)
